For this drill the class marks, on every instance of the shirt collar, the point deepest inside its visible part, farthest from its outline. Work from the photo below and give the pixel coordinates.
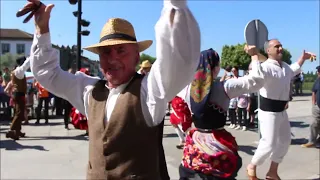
(275, 62)
(120, 88)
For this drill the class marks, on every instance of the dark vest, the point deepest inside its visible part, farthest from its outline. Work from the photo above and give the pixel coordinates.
(124, 148)
(19, 84)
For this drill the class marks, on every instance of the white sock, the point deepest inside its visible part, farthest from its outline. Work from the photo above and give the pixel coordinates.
(180, 134)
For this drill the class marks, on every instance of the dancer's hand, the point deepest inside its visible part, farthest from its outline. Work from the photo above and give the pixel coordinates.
(308, 55)
(251, 50)
(42, 17)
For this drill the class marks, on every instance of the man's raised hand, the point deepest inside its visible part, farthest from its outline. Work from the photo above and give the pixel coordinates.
(41, 16)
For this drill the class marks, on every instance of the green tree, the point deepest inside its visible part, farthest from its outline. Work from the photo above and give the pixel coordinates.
(234, 55)
(144, 57)
(8, 60)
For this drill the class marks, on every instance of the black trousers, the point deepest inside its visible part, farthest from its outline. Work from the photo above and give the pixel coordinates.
(188, 174)
(232, 116)
(67, 111)
(162, 158)
(242, 117)
(46, 108)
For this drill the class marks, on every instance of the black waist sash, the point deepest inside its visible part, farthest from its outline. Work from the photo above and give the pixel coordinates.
(272, 105)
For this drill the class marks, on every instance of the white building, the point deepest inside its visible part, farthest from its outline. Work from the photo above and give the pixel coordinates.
(15, 41)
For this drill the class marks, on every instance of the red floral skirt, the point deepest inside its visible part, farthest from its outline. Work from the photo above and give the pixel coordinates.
(181, 113)
(211, 153)
(78, 120)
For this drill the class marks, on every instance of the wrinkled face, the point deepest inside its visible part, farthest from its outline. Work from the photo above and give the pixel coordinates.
(118, 62)
(275, 50)
(235, 72)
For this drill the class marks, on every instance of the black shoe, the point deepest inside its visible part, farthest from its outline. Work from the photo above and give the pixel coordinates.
(21, 134)
(12, 135)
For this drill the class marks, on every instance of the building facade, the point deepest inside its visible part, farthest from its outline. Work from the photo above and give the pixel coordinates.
(15, 41)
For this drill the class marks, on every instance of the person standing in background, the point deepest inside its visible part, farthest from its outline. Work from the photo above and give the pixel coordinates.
(43, 97)
(242, 106)
(67, 108)
(314, 138)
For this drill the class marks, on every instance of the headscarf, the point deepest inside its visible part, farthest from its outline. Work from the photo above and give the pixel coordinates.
(201, 85)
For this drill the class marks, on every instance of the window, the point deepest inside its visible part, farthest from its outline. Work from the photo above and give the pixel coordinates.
(5, 48)
(20, 48)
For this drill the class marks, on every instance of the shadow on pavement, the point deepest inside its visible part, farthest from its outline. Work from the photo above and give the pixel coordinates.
(298, 124)
(78, 137)
(300, 100)
(247, 149)
(298, 141)
(14, 145)
(170, 135)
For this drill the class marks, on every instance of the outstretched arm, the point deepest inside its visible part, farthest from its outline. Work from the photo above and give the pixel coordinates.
(177, 51)
(45, 65)
(20, 70)
(250, 83)
(296, 67)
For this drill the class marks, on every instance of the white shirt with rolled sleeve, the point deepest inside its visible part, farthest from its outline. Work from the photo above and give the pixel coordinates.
(177, 47)
(275, 126)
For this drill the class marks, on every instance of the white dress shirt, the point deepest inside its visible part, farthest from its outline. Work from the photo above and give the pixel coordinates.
(177, 52)
(278, 79)
(20, 70)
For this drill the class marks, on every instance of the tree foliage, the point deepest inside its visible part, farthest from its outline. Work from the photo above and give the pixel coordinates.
(8, 60)
(235, 55)
(310, 76)
(144, 57)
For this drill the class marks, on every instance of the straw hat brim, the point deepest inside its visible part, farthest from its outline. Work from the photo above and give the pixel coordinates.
(143, 45)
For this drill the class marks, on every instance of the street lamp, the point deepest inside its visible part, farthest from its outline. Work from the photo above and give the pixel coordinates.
(80, 22)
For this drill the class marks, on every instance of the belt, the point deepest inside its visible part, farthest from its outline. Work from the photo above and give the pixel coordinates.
(209, 130)
(272, 105)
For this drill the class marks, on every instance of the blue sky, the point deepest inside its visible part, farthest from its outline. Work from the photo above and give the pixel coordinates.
(294, 23)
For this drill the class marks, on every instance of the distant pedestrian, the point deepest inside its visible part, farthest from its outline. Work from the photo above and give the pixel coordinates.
(314, 139)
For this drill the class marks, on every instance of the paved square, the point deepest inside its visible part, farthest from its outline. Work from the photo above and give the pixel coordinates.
(51, 152)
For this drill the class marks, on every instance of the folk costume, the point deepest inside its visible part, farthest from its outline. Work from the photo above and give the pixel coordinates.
(19, 85)
(126, 117)
(275, 126)
(210, 151)
(180, 118)
(78, 120)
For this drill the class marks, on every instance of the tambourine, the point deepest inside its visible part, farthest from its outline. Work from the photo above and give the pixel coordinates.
(31, 8)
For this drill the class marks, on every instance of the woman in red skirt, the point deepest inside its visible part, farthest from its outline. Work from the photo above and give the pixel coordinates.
(180, 118)
(78, 120)
(211, 152)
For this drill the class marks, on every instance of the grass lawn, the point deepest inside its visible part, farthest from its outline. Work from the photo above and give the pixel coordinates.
(307, 86)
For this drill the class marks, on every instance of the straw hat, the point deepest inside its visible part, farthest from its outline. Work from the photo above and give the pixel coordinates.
(145, 64)
(118, 31)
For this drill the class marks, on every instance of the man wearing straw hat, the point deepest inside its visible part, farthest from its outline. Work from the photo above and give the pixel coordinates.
(125, 110)
(145, 67)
